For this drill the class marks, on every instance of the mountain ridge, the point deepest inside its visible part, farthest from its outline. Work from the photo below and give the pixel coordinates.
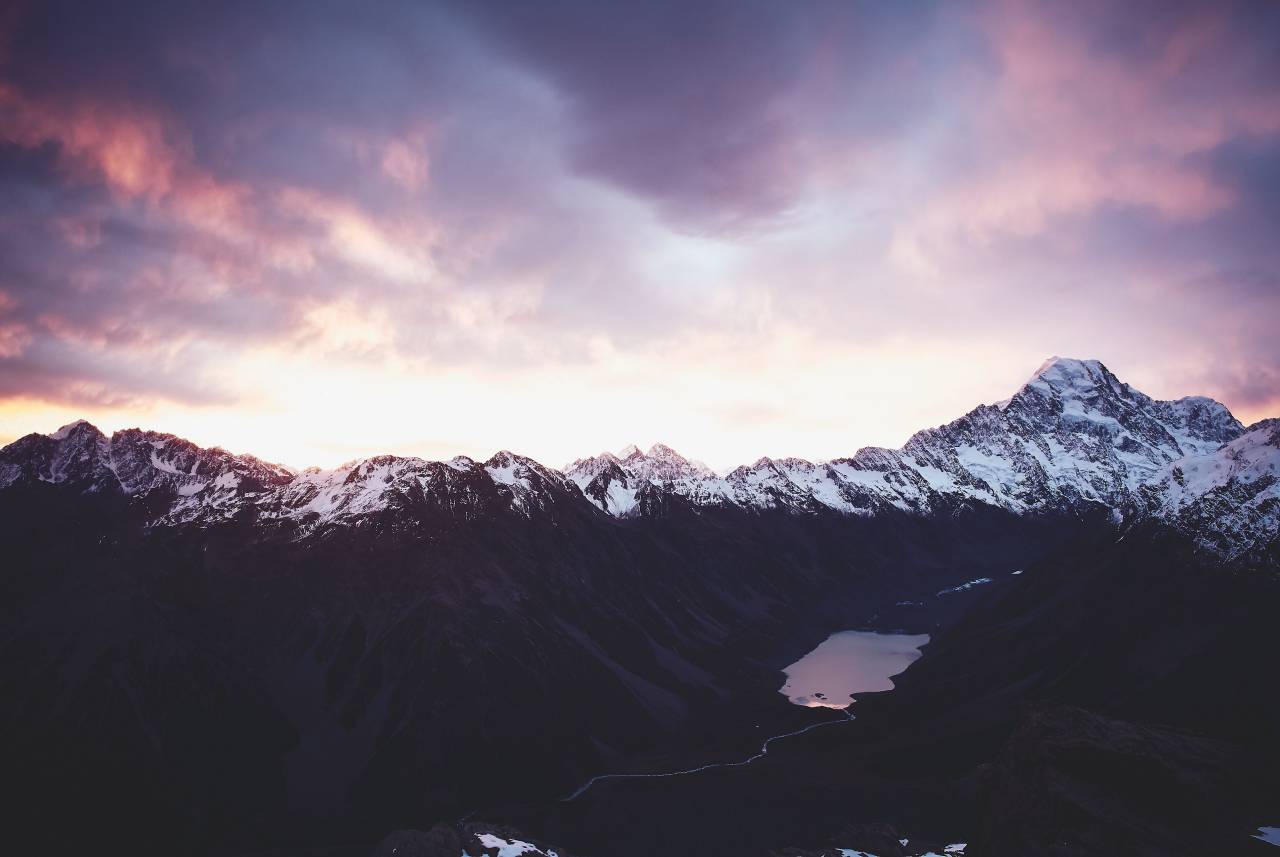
(1073, 434)
(191, 598)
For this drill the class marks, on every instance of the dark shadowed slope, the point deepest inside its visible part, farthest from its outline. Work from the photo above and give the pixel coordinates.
(208, 649)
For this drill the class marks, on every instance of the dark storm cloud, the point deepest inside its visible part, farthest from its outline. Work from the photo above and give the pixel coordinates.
(718, 111)
(1251, 166)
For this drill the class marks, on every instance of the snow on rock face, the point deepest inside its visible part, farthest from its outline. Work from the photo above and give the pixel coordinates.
(1073, 434)
(467, 840)
(664, 464)
(76, 453)
(956, 850)
(511, 847)
(1230, 497)
(1270, 835)
(459, 487)
(206, 485)
(530, 484)
(615, 482)
(604, 482)
(138, 463)
(64, 432)
(965, 587)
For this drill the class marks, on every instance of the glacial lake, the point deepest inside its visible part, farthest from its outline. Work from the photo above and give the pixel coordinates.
(850, 662)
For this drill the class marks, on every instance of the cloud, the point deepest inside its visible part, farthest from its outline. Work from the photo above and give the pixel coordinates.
(412, 192)
(1089, 111)
(721, 114)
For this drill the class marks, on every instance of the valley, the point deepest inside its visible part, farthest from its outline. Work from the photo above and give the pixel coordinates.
(302, 662)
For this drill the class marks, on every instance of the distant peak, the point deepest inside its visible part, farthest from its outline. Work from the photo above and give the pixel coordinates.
(1064, 374)
(1067, 366)
(629, 451)
(661, 450)
(67, 430)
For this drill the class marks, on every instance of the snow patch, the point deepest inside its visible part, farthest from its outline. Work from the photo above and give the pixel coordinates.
(1270, 835)
(965, 587)
(65, 432)
(511, 847)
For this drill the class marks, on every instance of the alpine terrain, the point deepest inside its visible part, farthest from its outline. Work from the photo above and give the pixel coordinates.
(205, 653)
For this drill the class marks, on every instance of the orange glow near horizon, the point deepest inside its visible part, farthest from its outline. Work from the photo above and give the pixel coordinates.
(775, 405)
(855, 224)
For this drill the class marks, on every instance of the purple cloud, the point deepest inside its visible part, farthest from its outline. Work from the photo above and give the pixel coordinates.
(492, 184)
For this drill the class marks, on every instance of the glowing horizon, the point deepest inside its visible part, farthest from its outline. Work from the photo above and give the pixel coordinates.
(255, 434)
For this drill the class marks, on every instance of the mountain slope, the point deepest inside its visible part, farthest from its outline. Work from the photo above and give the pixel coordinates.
(1227, 499)
(403, 641)
(1073, 435)
(1113, 698)
(415, 659)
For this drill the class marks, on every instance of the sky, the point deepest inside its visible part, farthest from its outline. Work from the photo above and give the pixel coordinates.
(315, 231)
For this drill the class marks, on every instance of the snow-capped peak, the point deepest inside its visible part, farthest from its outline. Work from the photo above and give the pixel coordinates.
(461, 462)
(1229, 498)
(1066, 367)
(66, 431)
(1067, 376)
(664, 464)
(507, 468)
(1073, 435)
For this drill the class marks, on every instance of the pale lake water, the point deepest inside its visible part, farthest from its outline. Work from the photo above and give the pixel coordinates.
(850, 662)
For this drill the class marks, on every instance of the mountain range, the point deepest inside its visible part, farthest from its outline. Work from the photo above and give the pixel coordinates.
(208, 649)
(1072, 435)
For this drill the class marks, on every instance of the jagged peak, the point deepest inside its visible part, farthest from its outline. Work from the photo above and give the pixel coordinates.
(503, 458)
(1088, 387)
(1078, 404)
(1265, 432)
(1268, 423)
(74, 428)
(662, 451)
(1067, 365)
(507, 460)
(796, 463)
(632, 457)
(1068, 373)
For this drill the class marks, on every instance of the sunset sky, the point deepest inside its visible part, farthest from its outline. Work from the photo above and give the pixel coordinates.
(314, 231)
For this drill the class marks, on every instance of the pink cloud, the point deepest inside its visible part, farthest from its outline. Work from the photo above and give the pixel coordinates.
(1067, 128)
(405, 161)
(133, 152)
